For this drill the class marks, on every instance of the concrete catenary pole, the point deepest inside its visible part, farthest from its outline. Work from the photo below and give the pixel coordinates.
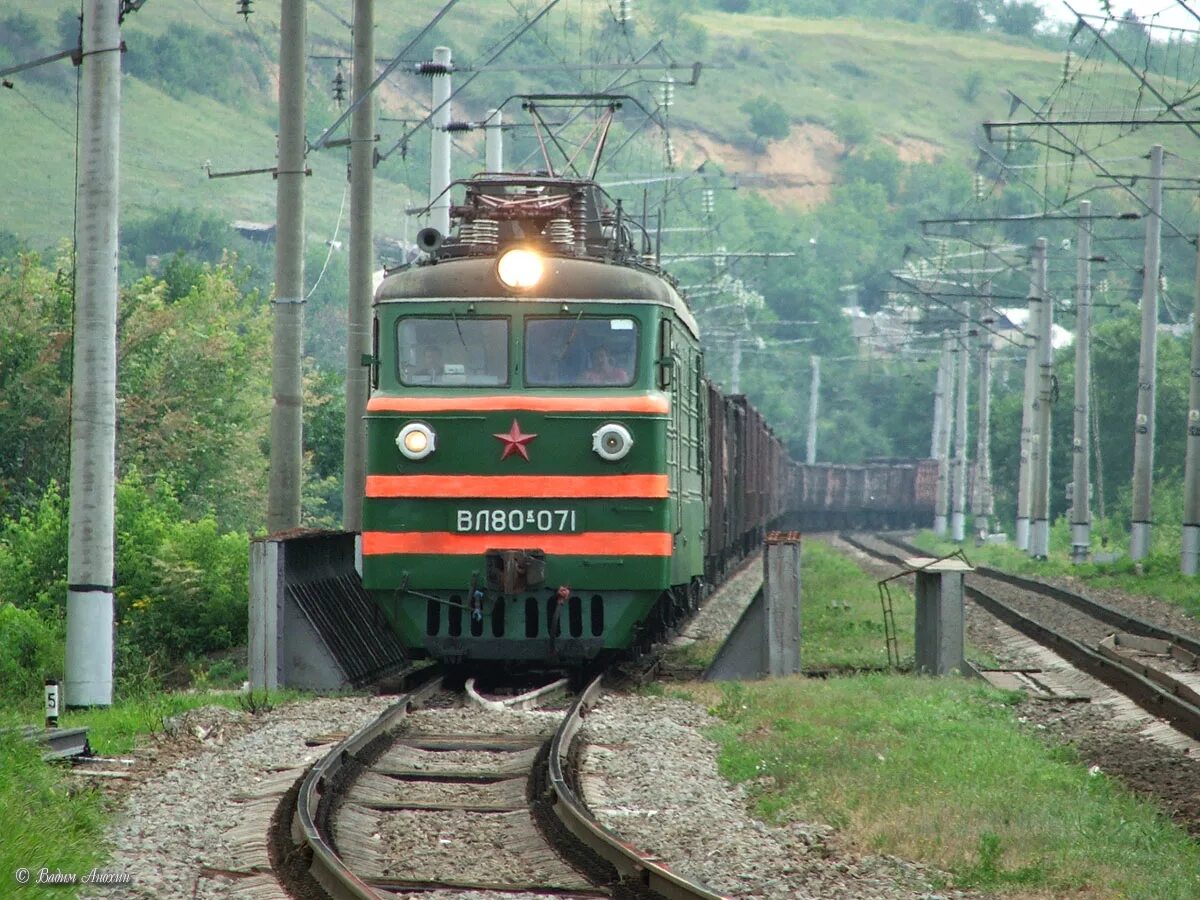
(939, 396)
(1029, 396)
(814, 404)
(1191, 466)
(941, 517)
(439, 157)
(958, 518)
(1081, 507)
(89, 661)
(362, 263)
(287, 386)
(1039, 484)
(1143, 426)
(982, 507)
(735, 374)
(493, 141)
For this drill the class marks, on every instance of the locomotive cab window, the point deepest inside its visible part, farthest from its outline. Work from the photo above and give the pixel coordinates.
(452, 352)
(579, 351)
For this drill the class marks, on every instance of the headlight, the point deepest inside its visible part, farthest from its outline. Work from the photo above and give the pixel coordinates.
(612, 441)
(520, 269)
(416, 440)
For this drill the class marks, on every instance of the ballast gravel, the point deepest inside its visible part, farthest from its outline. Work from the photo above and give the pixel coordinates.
(650, 774)
(172, 832)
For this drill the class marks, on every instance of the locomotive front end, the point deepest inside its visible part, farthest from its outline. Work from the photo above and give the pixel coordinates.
(521, 503)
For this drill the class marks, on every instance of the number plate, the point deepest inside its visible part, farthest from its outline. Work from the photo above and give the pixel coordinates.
(513, 521)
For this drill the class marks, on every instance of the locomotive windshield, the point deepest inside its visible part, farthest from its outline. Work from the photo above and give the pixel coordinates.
(452, 351)
(574, 351)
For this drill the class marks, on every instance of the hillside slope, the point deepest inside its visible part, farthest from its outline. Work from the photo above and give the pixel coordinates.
(917, 89)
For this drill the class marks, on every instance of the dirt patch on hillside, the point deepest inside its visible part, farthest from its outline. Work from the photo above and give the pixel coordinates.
(914, 150)
(799, 170)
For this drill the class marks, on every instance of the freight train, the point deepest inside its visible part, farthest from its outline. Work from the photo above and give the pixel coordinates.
(550, 476)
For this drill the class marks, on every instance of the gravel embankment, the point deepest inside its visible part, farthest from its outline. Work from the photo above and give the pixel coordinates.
(650, 774)
(179, 828)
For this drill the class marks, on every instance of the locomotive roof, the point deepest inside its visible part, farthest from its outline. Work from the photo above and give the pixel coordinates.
(566, 278)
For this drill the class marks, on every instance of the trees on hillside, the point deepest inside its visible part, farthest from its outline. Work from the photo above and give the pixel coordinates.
(769, 121)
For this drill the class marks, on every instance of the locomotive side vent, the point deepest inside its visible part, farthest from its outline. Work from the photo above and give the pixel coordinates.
(498, 619)
(531, 617)
(576, 617)
(597, 615)
(456, 615)
(433, 617)
(553, 621)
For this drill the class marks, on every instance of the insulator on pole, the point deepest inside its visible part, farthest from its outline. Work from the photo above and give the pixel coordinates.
(980, 193)
(339, 86)
(670, 148)
(708, 202)
(1067, 66)
(430, 68)
(245, 7)
(624, 11)
(667, 93)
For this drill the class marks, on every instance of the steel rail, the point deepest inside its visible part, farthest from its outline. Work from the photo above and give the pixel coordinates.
(1108, 614)
(327, 867)
(627, 860)
(1157, 699)
(1148, 694)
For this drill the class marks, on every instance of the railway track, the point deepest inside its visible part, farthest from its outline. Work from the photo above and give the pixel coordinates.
(1153, 666)
(421, 802)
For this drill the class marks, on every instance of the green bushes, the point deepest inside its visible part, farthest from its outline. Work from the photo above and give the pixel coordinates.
(30, 649)
(182, 586)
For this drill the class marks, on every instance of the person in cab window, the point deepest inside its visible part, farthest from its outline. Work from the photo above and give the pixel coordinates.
(602, 370)
(430, 367)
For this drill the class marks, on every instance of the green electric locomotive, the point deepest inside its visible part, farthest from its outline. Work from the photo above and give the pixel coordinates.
(536, 471)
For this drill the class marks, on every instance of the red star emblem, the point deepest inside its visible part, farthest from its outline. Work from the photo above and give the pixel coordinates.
(514, 441)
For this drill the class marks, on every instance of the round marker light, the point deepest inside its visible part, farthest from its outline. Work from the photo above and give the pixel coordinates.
(416, 440)
(612, 441)
(520, 269)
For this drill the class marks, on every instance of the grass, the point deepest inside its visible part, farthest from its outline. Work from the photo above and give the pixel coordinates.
(49, 823)
(934, 770)
(115, 729)
(911, 80)
(841, 617)
(43, 825)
